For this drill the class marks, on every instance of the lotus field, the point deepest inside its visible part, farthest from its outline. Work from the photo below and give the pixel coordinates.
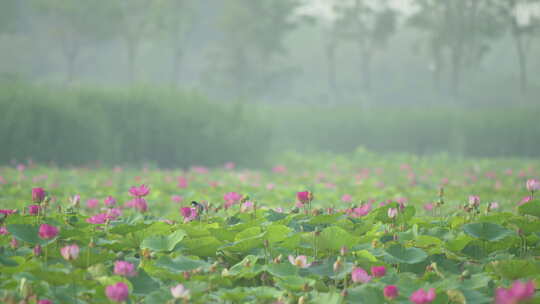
(320, 229)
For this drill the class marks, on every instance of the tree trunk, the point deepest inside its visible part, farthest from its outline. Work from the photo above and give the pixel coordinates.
(333, 91)
(438, 67)
(456, 70)
(240, 73)
(366, 69)
(522, 57)
(177, 60)
(70, 59)
(71, 51)
(132, 51)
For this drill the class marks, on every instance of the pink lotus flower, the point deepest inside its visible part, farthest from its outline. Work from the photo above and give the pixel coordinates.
(47, 231)
(362, 210)
(182, 182)
(189, 213)
(378, 271)
(14, 243)
(279, 169)
(304, 197)
(359, 275)
(123, 268)
(113, 213)
(177, 198)
(422, 297)
(405, 167)
(92, 203)
(45, 301)
(525, 200)
(118, 292)
(180, 292)
(3, 230)
(518, 292)
(138, 203)
(346, 198)
(109, 201)
(533, 185)
(38, 195)
(299, 261)
(474, 200)
(140, 191)
(100, 218)
(429, 206)
(390, 292)
(392, 212)
(231, 198)
(7, 212)
(445, 181)
(70, 252)
(492, 206)
(199, 170)
(33, 209)
(37, 250)
(229, 165)
(247, 206)
(270, 186)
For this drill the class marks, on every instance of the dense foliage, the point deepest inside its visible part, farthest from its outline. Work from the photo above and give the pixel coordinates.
(177, 129)
(324, 229)
(84, 125)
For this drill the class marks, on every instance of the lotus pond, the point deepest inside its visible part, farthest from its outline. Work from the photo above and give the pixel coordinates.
(325, 229)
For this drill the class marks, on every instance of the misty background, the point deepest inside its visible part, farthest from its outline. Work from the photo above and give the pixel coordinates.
(184, 82)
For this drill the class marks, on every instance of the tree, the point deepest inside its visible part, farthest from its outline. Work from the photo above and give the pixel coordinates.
(252, 33)
(135, 19)
(9, 11)
(368, 24)
(176, 20)
(523, 26)
(76, 24)
(458, 32)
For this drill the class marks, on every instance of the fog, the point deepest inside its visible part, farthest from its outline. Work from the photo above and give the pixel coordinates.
(342, 66)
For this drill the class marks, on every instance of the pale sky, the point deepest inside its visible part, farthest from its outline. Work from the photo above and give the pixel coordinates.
(323, 8)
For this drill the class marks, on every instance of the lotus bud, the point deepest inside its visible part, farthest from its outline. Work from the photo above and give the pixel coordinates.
(337, 265)
(225, 272)
(186, 275)
(37, 250)
(213, 268)
(14, 243)
(146, 254)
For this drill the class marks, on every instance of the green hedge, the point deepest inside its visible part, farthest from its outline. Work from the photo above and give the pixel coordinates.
(481, 132)
(178, 129)
(130, 126)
